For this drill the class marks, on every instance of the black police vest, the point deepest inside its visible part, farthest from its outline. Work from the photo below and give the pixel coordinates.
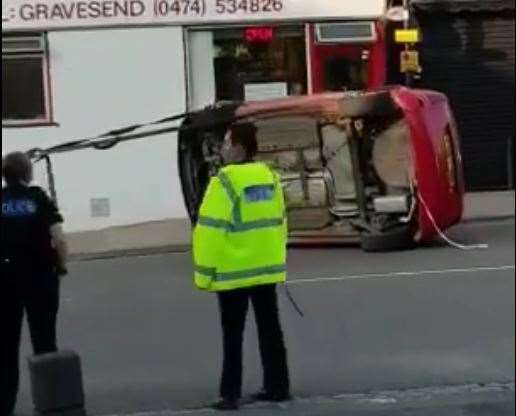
(27, 216)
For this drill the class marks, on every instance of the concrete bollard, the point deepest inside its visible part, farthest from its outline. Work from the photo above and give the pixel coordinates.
(57, 388)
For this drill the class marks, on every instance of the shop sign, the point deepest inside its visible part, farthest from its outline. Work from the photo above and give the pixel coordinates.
(259, 34)
(407, 36)
(69, 14)
(410, 62)
(265, 91)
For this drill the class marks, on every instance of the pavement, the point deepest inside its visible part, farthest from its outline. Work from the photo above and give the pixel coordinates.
(173, 235)
(423, 332)
(489, 206)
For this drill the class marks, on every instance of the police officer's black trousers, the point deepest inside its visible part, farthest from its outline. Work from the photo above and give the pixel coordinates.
(234, 306)
(35, 293)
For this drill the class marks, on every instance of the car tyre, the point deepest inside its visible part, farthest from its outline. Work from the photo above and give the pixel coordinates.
(401, 238)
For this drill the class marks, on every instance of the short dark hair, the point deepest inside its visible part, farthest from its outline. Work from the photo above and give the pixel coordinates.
(244, 134)
(16, 168)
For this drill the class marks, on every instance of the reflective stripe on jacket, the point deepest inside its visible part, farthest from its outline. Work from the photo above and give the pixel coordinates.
(241, 235)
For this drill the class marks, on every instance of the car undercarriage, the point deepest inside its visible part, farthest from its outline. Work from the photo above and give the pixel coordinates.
(346, 175)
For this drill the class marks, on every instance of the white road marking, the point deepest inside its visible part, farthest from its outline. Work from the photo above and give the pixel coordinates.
(428, 274)
(350, 400)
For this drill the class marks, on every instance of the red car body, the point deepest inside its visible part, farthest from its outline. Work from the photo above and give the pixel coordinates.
(430, 120)
(434, 159)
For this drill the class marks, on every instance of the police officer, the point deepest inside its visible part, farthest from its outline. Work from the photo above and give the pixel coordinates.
(33, 256)
(239, 246)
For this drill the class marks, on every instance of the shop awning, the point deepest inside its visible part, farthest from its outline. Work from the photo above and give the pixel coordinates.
(456, 6)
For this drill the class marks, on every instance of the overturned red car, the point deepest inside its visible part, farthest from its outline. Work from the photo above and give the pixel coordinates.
(382, 168)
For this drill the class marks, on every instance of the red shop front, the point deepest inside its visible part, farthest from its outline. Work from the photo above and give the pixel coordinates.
(347, 56)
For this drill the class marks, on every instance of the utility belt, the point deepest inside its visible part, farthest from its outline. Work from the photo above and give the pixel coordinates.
(28, 261)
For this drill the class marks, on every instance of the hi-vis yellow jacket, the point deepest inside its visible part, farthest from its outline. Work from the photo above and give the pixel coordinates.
(241, 235)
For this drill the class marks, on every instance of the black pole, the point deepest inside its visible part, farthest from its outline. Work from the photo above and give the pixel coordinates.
(51, 178)
(406, 25)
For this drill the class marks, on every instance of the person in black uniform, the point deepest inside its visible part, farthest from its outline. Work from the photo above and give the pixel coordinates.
(33, 256)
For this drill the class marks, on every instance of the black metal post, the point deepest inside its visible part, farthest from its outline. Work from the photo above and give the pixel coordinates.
(51, 178)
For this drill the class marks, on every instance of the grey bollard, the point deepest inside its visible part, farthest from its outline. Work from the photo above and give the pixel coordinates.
(57, 388)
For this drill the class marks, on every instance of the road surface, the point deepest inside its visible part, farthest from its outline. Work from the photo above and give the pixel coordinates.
(431, 317)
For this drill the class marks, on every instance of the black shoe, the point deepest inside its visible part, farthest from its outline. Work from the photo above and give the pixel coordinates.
(226, 404)
(263, 396)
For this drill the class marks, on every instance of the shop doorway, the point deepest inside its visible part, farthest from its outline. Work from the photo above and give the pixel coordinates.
(246, 63)
(344, 73)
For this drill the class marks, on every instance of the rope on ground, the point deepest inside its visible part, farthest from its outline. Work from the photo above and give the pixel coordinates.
(448, 240)
(293, 302)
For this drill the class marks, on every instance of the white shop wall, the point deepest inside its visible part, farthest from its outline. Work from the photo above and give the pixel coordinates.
(105, 79)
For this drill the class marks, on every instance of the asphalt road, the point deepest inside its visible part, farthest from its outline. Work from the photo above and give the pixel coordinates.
(435, 316)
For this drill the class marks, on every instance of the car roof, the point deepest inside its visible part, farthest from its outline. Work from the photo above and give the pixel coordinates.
(317, 105)
(323, 106)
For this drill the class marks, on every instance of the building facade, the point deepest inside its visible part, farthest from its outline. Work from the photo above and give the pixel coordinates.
(74, 70)
(77, 69)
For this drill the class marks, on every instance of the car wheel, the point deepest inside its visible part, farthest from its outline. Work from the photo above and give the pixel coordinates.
(398, 239)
